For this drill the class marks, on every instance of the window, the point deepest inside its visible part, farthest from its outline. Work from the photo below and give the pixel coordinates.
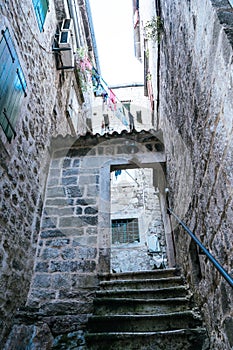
(125, 231)
(139, 116)
(12, 85)
(41, 9)
(126, 104)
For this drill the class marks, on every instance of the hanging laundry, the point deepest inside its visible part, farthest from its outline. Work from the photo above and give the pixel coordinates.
(100, 88)
(95, 78)
(117, 173)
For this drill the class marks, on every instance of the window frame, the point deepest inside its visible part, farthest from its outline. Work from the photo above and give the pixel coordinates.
(128, 230)
(41, 8)
(12, 85)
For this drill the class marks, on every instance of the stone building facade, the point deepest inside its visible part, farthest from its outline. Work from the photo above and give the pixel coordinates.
(74, 244)
(195, 113)
(41, 95)
(52, 265)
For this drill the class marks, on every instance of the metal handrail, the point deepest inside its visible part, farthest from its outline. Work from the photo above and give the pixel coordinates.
(222, 271)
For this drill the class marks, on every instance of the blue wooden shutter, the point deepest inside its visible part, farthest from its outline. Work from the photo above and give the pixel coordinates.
(41, 9)
(12, 85)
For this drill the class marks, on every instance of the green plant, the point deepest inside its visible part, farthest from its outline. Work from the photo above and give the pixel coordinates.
(154, 28)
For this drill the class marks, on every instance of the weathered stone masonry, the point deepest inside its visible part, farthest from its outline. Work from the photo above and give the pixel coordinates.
(196, 104)
(24, 162)
(74, 243)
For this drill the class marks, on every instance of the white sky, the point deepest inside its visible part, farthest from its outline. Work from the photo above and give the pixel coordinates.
(113, 26)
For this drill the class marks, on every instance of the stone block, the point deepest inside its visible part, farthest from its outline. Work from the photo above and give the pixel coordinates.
(88, 179)
(81, 201)
(54, 173)
(86, 201)
(70, 172)
(78, 211)
(54, 192)
(61, 281)
(42, 280)
(49, 222)
(71, 180)
(51, 233)
(60, 266)
(80, 282)
(76, 163)
(92, 190)
(84, 253)
(66, 163)
(79, 152)
(89, 220)
(73, 232)
(68, 254)
(50, 253)
(57, 202)
(55, 164)
(42, 266)
(57, 243)
(58, 211)
(91, 210)
(74, 191)
(91, 231)
(91, 241)
(54, 181)
(71, 221)
(72, 266)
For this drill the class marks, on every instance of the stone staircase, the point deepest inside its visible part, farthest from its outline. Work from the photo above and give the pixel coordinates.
(145, 310)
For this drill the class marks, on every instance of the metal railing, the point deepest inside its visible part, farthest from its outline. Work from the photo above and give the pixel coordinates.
(222, 271)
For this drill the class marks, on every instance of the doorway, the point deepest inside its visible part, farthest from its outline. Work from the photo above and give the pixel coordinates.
(137, 233)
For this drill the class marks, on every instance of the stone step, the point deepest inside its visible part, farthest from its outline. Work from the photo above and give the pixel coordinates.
(129, 306)
(182, 339)
(155, 274)
(144, 323)
(169, 292)
(141, 283)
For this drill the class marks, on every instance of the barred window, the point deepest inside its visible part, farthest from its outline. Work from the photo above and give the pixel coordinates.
(41, 9)
(12, 85)
(125, 231)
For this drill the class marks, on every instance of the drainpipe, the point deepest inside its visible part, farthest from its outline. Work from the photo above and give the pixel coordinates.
(95, 50)
(158, 10)
(72, 5)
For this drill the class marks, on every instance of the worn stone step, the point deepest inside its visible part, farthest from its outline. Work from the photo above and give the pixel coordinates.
(141, 283)
(182, 339)
(169, 292)
(129, 306)
(144, 323)
(155, 274)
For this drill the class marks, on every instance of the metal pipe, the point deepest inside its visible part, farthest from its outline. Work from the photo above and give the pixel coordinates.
(222, 271)
(94, 44)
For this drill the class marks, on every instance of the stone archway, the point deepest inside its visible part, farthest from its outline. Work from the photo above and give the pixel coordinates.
(74, 244)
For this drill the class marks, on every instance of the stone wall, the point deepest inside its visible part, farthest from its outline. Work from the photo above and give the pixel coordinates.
(24, 161)
(196, 102)
(74, 242)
